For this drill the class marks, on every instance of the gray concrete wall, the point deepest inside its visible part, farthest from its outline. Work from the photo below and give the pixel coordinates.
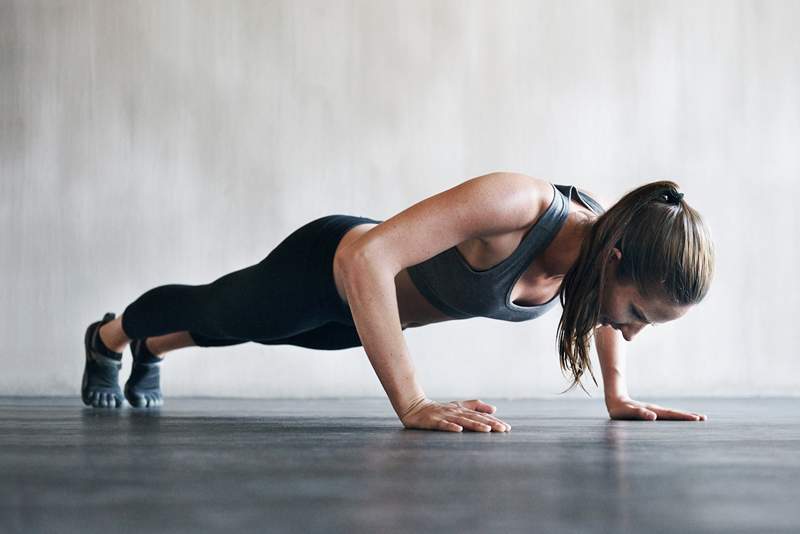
(144, 143)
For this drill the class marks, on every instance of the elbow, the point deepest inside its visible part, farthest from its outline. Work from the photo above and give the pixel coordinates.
(356, 259)
(360, 273)
(348, 260)
(350, 266)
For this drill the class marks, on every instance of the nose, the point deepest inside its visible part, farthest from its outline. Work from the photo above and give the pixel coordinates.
(629, 331)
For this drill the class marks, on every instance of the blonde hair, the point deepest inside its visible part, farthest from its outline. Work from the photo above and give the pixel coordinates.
(667, 252)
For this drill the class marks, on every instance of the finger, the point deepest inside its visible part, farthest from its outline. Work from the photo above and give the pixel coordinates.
(635, 414)
(495, 423)
(668, 413)
(642, 411)
(502, 425)
(479, 406)
(471, 424)
(665, 413)
(647, 415)
(449, 426)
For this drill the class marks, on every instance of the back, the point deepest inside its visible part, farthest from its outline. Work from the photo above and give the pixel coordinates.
(491, 204)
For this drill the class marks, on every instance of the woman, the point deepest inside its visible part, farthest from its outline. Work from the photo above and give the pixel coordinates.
(502, 245)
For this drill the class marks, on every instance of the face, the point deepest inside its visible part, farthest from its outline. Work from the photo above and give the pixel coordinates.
(623, 308)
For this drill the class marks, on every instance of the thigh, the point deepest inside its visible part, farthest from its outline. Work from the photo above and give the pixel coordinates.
(290, 291)
(277, 297)
(205, 341)
(329, 336)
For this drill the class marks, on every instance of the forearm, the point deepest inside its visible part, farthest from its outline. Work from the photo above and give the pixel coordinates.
(611, 352)
(372, 298)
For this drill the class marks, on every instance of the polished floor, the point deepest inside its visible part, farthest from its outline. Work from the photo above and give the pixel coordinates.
(224, 465)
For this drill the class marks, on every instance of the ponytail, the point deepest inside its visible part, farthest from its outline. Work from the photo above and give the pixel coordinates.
(667, 253)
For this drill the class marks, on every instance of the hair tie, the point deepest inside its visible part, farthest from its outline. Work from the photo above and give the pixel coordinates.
(670, 195)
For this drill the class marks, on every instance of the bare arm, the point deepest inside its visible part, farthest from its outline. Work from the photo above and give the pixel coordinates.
(611, 352)
(493, 203)
(373, 303)
(372, 298)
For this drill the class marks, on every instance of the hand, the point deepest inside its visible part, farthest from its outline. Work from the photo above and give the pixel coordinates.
(626, 408)
(453, 416)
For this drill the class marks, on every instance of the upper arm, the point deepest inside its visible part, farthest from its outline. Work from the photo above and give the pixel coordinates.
(490, 204)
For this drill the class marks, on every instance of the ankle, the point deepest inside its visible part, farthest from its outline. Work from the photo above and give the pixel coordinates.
(99, 347)
(105, 334)
(151, 351)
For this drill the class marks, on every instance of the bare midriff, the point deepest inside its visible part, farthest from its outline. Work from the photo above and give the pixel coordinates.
(537, 284)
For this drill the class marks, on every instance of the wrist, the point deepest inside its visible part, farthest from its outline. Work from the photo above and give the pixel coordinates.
(614, 398)
(412, 405)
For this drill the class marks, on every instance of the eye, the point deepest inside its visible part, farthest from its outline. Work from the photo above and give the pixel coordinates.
(640, 317)
(637, 315)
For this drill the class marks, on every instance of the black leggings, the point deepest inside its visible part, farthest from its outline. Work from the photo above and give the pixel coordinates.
(288, 298)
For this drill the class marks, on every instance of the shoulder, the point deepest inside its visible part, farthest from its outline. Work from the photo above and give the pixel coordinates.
(542, 191)
(532, 193)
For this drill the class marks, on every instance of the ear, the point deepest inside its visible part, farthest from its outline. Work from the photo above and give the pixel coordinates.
(616, 255)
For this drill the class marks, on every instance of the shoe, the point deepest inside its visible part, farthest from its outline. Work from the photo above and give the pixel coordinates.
(143, 389)
(100, 385)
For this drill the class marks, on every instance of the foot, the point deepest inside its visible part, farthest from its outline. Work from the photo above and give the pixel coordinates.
(100, 386)
(143, 389)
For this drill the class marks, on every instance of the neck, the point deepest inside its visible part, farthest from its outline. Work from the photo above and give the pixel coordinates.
(566, 252)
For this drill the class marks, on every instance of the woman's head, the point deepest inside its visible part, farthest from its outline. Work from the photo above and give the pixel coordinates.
(648, 259)
(624, 307)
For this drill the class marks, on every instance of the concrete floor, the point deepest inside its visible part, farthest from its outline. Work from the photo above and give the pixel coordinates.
(202, 465)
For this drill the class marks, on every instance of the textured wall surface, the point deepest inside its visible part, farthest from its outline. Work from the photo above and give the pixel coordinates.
(145, 143)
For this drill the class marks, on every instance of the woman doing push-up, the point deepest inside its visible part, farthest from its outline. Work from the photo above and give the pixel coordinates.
(503, 245)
